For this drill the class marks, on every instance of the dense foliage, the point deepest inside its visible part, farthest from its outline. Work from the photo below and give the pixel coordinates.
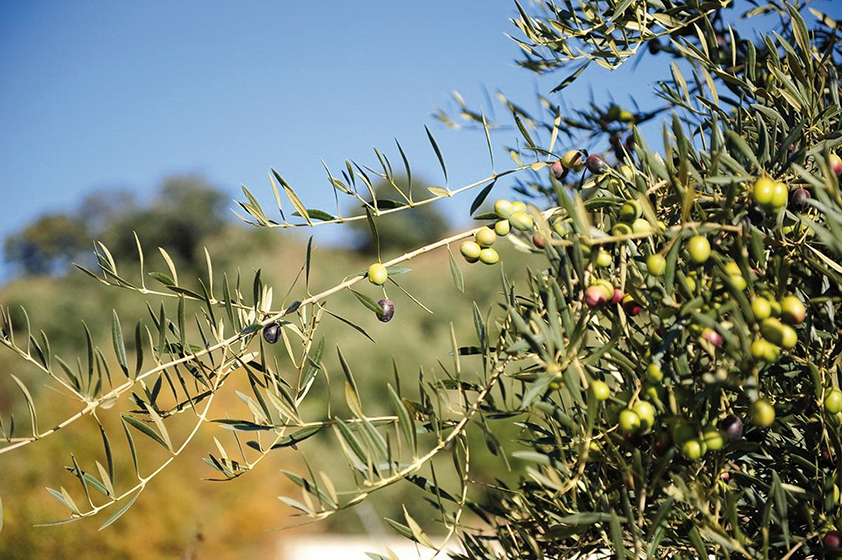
(670, 364)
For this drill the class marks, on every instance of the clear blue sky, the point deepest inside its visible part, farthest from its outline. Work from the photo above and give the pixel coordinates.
(100, 93)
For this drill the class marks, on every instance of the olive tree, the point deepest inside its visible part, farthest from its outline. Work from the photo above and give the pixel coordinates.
(670, 364)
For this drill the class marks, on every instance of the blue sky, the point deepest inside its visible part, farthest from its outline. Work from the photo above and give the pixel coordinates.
(101, 94)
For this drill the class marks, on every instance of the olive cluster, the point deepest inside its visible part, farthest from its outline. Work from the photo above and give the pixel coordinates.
(511, 215)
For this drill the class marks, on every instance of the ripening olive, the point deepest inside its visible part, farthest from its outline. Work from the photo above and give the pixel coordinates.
(595, 296)
(792, 310)
(698, 247)
(488, 256)
(271, 333)
(656, 264)
(762, 413)
(377, 274)
(387, 310)
(503, 208)
(470, 250)
(836, 164)
(485, 237)
(600, 390)
(833, 401)
(761, 308)
(521, 220)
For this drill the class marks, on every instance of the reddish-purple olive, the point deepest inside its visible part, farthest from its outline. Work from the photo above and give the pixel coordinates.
(387, 310)
(800, 198)
(618, 296)
(833, 539)
(558, 169)
(630, 306)
(538, 241)
(271, 333)
(713, 337)
(732, 426)
(596, 164)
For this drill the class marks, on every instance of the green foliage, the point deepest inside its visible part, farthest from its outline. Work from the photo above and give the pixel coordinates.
(716, 437)
(401, 232)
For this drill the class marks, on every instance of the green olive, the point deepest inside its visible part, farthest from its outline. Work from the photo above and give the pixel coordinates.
(833, 401)
(518, 206)
(738, 282)
(713, 437)
(521, 220)
(485, 237)
(654, 373)
(603, 259)
(646, 412)
(780, 194)
(561, 227)
(641, 225)
(761, 308)
(762, 413)
(600, 390)
(470, 250)
(692, 449)
(698, 247)
(733, 269)
(489, 256)
(630, 211)
(621, 229)
(502, 228)
(503, 208)
(377, 274)
(629, 421)
(763, 191)
(656, 264)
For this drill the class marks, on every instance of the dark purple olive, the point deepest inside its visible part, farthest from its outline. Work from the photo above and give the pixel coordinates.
(756, 215)
(271, 333)
(596, 164)
(387, 310)
(799, 199)
(654, 46)
(732, 426)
